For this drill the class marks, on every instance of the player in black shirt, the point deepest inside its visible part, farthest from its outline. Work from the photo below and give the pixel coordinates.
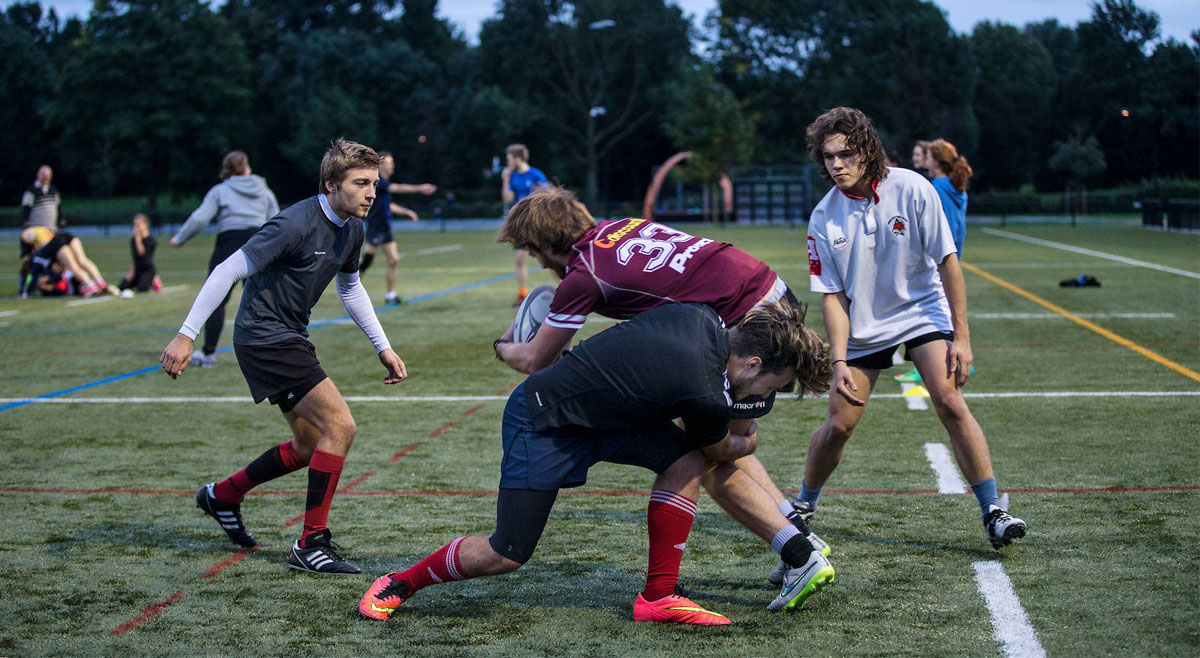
(287, 265)
(614, 398)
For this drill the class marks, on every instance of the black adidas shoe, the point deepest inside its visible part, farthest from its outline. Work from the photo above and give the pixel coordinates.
(229, 516)
(321, 556)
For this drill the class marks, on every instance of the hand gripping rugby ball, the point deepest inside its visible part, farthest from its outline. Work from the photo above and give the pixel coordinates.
(532, 313)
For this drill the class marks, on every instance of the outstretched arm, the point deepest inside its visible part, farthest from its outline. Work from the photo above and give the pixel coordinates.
(178, 353)
(358, 304)
(412, 188)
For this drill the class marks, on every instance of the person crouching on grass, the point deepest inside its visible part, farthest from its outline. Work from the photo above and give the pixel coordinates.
(613, 398)
(287, 265)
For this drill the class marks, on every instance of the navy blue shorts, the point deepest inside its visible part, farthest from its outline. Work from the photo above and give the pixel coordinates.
(379, 232)
(560, 457)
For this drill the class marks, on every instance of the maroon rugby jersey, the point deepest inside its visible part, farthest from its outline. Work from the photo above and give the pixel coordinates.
(623, 268)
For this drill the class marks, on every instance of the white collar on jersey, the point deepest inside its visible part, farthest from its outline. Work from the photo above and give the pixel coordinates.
(332, 216)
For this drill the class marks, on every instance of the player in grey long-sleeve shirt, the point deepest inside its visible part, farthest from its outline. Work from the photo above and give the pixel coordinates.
(241, 203)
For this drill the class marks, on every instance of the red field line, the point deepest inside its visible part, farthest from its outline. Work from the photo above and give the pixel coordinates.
(472, 410)
(230, 561)
(441, 429)
(400, 454)
(147, 614)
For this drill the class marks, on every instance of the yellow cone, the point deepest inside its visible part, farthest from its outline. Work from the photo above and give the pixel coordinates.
(917, 391)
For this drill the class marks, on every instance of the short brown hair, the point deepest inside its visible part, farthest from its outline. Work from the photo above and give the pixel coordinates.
(776, 333)
(234, 163)
(518, 151)
(550, 220)
(860, 138)
(342, 156)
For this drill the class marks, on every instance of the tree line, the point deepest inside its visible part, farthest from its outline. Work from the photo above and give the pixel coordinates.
(145, 96)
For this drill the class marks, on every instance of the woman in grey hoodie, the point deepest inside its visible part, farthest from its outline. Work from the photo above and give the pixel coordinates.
(241, 203)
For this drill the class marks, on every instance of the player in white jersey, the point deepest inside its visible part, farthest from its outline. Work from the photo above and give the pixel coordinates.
(881, 252)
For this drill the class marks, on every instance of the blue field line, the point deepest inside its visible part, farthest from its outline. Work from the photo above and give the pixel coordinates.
(317, 325)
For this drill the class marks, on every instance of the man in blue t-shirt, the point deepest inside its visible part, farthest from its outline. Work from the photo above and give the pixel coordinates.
(379, 222)
(287, 265)
(518, 180)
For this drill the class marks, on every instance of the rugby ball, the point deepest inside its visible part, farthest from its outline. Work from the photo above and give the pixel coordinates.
(532, 313)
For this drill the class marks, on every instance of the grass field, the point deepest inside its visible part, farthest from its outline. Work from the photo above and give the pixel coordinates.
(102, 551)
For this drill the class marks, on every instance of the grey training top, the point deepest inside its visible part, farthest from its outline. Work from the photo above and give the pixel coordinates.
(294, 257)
(238, 202)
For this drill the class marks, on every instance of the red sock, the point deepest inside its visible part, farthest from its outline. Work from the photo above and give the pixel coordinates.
(669, 518)
(279, 460)
(442, 566)
(324, 469)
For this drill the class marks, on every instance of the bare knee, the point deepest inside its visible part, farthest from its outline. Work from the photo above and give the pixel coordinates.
(343, 428)
(952, 409)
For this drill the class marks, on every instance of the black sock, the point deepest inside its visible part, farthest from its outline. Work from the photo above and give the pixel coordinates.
(366, 262)
(796, 551)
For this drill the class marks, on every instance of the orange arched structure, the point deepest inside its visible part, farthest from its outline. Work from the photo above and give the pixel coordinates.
(661, 175)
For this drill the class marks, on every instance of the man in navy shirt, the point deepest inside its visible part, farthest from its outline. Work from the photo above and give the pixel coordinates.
(287, 264)
(379, 222)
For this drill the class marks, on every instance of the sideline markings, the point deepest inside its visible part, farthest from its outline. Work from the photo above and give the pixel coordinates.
(1120, 340)
(1090, 252)
(942, 463)
(6, 314)
(1010, 624)
(1056, 316)
(494, 398)
(316, 325)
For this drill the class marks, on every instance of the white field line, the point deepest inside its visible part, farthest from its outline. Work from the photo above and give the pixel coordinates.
(1056, 316)
(5, 314)
(1089, 252)
(439, 250)
(488, 398)
(1010, 624)
(942, 463)
(915, 402)
(91, 300)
